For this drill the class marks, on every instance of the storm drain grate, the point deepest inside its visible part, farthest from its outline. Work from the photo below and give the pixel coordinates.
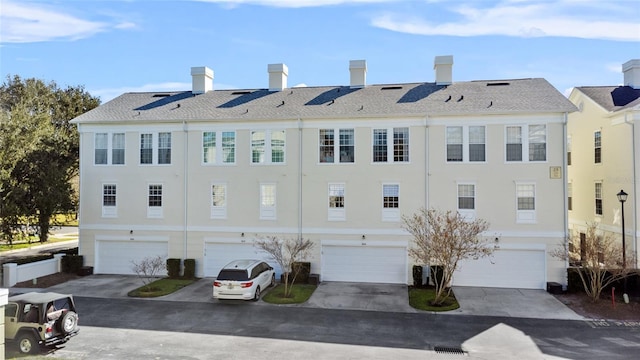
(448, 350)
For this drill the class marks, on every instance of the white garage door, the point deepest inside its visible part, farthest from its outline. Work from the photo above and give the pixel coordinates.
(364, 264)
(217, 255)
(116, 257)
(523, 269)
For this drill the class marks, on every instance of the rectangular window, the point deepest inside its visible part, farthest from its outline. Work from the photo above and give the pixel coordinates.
(467, 201)
(390, 202)
(109, 208)
(219, 147)
(597, 147)
(218, 201)
(267, 147)
(570, 196)
(384, 153)
(466, 143)
(146, 148)
(534, 143)
(117, 149)
(526, 202)
(101, 149)
(569, 150)
(267, 201)
(598, 198)
(336, 202)
(154, 201)
(328, 146)
(164, 148)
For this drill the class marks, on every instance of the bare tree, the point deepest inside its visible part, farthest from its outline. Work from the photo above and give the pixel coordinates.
(599, 260)
(286, 252)
(148, 269)
(444, 239)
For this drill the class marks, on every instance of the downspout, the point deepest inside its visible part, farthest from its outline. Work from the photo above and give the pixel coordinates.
(426, 162)
(635, 185)
(299, 178)
(565, 190)
(185, 177)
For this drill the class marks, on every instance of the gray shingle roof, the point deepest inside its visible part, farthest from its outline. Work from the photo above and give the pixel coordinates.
(613, 98)
(413, 99)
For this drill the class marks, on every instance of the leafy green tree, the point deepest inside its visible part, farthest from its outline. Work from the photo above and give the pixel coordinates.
(39, 150)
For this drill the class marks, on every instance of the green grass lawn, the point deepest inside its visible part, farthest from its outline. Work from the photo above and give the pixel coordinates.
(420, 298)
(161, 287)
(299, 293)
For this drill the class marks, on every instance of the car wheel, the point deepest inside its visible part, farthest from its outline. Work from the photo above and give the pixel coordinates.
(27, 344)
(273, 280)
(68, 323)
(256, 296)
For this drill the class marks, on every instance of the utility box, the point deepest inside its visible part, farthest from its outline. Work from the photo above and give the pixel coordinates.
(554, 288)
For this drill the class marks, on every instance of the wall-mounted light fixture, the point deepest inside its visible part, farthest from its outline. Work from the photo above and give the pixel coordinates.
(242, 234)
(130, 232)
(363, 237)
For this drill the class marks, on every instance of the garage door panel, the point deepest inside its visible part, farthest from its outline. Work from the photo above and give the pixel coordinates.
(217, 255)
(505, 268)
(364, 264)
(117, 257)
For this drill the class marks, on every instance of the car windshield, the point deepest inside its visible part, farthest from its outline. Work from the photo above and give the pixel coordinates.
(230, 274)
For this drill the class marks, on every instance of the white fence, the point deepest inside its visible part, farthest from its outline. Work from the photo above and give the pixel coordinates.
(13, 273)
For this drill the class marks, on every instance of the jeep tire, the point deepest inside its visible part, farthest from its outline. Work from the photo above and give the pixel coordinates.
(27, 343)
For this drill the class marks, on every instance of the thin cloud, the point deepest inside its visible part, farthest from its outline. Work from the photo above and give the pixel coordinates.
(35, 22)
(522, 19)
(293, 3)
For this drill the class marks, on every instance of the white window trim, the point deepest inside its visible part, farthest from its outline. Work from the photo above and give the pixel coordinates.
(268, 212)
(467, 214)
(155, 137)
(267, 147)
(526, 216)
(390, 145)
(155, 212)
(336, 214)
(595, 213)
(524, 133)
(336, 146)
(110, 149)
(109, 211)
(390, 214)
(219, 212)
(465, 145)
(218, 161)
(594, 147)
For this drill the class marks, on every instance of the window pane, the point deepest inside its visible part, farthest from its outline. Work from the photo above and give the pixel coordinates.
(109, 195)
(257, 147)
(514, 143)
(219, 195)
(514, 152)
(400, 144)
(526, 196)
(268, 195)
(117, 153)
(347, 150)
(476, 143)
(146, 148)
(228, 147)
(277, 146)
(537, 143)
(379, 145)
(390, 196)
(164, 148)
(101, 149)
(336, 196)
(326, 142)
(209, 147)
(155, 195)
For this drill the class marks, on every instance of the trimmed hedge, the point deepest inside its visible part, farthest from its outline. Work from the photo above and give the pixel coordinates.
(417, 276)
(173, 268)
(189, 268)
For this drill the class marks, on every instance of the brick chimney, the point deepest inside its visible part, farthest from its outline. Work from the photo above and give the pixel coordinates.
(443, 66)
(358, 71)
(631, 71)
(278, 74)
(201, 79)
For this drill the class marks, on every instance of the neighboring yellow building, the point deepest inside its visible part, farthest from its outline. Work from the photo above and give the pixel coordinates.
(604, 157)
(198, 174)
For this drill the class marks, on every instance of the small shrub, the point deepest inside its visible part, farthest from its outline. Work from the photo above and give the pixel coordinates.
(173, 268)
(302, 271)
(71, 264)
(189, 268)
(417, 276)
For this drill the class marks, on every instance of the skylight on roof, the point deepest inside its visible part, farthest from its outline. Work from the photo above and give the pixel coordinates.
(161, 95)
(391, 88)
(243, 92)
(498, 84)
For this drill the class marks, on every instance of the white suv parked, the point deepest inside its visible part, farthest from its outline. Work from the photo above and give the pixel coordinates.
(243, 280)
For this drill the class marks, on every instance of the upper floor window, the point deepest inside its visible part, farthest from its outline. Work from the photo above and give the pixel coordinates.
(109, 208)
(218, 201)
(267, 146)
(467, 200)
(154, 201)
(569, 150)
(466, 143)
(344, 147)
(399, 152)
(390, 202)
(534, 143)
(597, 146)
(336, 202)
(218, 147)
(109, 149)
(161, 142)
(526, 202)
(267, 201)
(569, 196)
(598, 198)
